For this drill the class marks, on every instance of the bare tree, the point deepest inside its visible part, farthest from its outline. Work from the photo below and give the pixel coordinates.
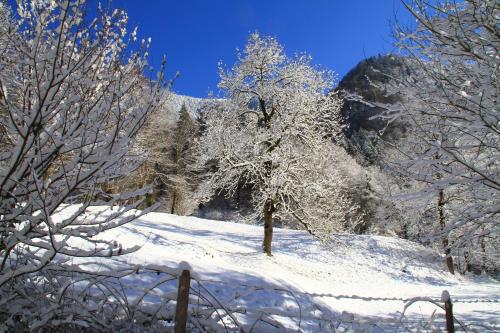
(273, 133)
(71, 102)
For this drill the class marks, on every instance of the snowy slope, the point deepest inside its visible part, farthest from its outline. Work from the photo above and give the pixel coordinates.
(302, 282)
(173, 103)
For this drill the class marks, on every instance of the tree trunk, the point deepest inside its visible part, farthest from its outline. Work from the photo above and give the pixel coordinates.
(468, 266)
(442, 223)
(268, 227)
(483, 250)
(174, 197)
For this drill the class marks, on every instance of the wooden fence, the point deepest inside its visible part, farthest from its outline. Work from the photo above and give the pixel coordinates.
(184, 285)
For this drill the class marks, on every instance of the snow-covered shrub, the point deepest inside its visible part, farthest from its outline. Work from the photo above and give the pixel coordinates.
(72, 98)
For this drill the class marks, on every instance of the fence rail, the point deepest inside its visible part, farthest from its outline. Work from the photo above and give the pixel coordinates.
(363, 298)
(228, 314)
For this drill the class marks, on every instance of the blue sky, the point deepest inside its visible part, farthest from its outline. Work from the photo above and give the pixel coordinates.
(196, 34)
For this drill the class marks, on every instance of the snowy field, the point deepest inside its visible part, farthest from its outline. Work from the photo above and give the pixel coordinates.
(362, 283)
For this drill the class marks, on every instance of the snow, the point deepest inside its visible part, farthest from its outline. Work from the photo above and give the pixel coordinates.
(341, 283)
(174, 102)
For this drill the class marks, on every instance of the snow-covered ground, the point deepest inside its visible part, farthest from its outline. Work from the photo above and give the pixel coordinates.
(306, 284)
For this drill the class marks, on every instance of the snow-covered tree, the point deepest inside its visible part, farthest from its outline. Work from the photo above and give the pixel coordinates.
(72, 98)
(152, 146)
(166, 144)
(451, 99)
(273, 132)
(179, 177)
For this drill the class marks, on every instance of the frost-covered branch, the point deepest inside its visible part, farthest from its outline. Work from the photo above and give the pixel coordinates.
(73, 98)
(450, 101)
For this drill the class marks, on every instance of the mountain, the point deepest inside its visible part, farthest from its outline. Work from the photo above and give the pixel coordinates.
(367, 80)
(366, 131)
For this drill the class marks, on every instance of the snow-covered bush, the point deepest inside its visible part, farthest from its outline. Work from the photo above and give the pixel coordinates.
(273, 133)
(72, 98)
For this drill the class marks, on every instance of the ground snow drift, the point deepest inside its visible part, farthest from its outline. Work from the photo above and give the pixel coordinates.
(304, 280)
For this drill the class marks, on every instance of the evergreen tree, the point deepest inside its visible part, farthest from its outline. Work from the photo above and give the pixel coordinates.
(179, 177)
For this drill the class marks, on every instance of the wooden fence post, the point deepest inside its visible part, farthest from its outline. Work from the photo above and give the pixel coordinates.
(448, 308)
(181, 309)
